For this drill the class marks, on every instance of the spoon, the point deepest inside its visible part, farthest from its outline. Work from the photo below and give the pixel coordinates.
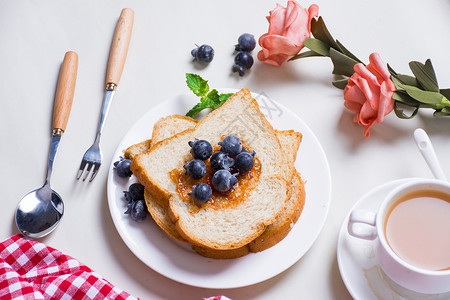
(40, 211)
(427, 150)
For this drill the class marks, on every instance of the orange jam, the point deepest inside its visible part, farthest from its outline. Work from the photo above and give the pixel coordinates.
(240, 191)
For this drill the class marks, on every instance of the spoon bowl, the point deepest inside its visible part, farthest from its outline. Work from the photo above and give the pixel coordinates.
(40, 211)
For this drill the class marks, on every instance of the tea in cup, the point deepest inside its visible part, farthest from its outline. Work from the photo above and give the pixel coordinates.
(412, 228)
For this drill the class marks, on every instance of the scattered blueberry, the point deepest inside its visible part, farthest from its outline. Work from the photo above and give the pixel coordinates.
(244, 59)
(246, 42)
(136, 191)
(123, 167)
(238, 68)
(204, 54)
(136, 207)
(137, 210)
(244, 161)
(201, 193)
(221, 160)
(195, 168)
(231, 145)
(127, 196)
(200, 149)
(223, 180)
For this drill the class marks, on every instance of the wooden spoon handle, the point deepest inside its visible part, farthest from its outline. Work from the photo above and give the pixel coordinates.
(65, 90)
(119, 46)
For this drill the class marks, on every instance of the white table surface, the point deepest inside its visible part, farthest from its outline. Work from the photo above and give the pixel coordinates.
(34, 35)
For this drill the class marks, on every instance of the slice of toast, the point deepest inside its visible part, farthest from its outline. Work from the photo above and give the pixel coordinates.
(290, 142)
(274, 233)
(235, 225)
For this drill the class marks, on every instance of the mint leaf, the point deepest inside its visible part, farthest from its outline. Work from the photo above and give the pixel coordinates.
(208, 99)
(212, 99)
(197, 84)
(195, 110)
(224, 97)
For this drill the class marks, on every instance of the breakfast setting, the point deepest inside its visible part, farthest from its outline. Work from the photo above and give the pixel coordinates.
(225, 150)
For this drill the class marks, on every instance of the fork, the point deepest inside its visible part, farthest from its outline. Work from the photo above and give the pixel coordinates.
(92, 158)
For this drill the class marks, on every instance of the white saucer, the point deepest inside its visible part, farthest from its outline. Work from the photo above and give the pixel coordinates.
(359, 268)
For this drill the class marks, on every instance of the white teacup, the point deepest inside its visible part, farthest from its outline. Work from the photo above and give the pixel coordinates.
(407, 274)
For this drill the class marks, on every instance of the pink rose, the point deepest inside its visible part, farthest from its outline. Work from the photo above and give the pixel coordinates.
(369, 93)
(288, 28)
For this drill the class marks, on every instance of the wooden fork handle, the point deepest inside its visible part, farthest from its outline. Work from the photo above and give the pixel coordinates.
(65, 90)
(119, 46)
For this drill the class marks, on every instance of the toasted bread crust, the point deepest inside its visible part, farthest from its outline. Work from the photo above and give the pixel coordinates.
(277, 231)
(136, 149)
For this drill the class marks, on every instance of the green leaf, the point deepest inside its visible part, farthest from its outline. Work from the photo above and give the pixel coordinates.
(197, 84)
(400, 113)
(425, 96)
(341, 83)
(442, 113)
(224, 97)
(397, 82)
(348, 53)
(425, 75)
(408, 80)
(317, 46)
(391, 70)
(195, 110)
(320, 32)
(304, 55)
(405, 99)
(430, 70)
(212, 99)
(343, 65)
(445, 92)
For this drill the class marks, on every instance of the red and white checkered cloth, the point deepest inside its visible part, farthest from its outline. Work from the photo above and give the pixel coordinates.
(32, 270)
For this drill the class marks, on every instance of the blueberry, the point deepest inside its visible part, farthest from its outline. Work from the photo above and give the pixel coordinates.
(137, 210)
(244, 161)
(238, 68)
(244, 59)
(246, 42)
(204, 54)
(123, 167)
(221, 160)
(223, 180)
(201, 193)
(231, 145)
(136, 191)
(195, 168)
(127, 196)
(200, 149)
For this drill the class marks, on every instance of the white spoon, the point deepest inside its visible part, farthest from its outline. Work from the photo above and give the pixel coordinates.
(427, 150)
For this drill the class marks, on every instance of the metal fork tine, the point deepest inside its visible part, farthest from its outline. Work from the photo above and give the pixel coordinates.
(95, 171)
(88, 169)
(80, 171)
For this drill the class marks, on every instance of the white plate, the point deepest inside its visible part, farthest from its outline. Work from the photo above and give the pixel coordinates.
(178, 261)
(359, 268)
